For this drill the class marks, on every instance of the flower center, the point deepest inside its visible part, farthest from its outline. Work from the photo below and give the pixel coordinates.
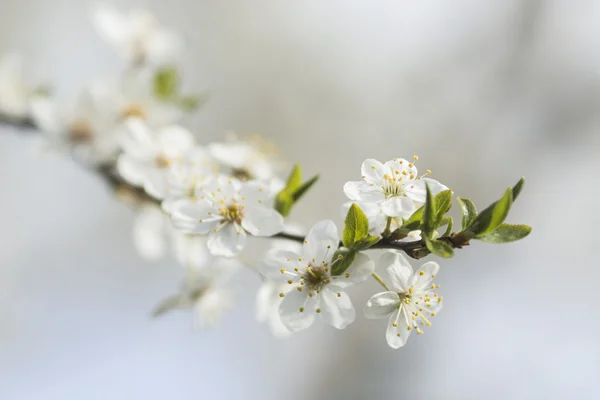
(232, 213)
(162, 161)
(133, 111)
(316, 277)
(393, 186)
(80, 132)
(241, 173)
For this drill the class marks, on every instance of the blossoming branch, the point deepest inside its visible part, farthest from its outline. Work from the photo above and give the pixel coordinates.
(202, 202)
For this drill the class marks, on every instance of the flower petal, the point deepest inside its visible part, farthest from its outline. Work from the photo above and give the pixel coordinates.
(336, 308)
(398, 269)
(398, 206)
(289, 310)
(397, 336)
(382, 304)
(130, 169)
(424, 275)
(175, 140)
(278, 260)
(227, 241)
(261, 220)
(359, 271)
(363, 191)
(373, 171)
(321, 242)
(149, 233)
(190, 217)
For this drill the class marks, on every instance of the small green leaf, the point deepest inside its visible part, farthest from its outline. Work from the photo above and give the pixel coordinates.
(304, 188)
(366, 243)
(414, 221)
(294, 180)
(167, 305)
(342, 259)
(293, 190)
(443, 203)
(166, 83)
(439, 248)
(356, 227)
(506, 233)
(490, 218)
(450, 226)
(429, 214)
(190, 103)
(469, 212)
(516, 190)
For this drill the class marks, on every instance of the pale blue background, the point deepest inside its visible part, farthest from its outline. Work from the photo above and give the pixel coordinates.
(484, 92)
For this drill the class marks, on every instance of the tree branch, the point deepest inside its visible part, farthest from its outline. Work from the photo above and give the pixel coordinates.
(135, 195)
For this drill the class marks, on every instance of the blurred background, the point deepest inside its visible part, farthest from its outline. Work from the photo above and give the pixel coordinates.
(483, 92)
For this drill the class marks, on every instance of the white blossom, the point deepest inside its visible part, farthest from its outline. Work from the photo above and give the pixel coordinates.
(88, 127)
(315, 290)
(268, 299)
(152, 232)
(137, 35)
(411, 302)
(147, 155)
(253, 158)
(205, 291)
(394, 186)
(226, 209)
(14, 91)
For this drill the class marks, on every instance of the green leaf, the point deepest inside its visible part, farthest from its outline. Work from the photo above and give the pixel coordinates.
(167, 305)
(449, 228)
(516, 190)
(166, 83)
(443, 204)
(506, 233)
(366, 243)
(469, 212)
(304, 188)
(191, 102)
(490, 218)
(343, 258)
(293, 190)
(294, 180)
(439, 248)
(356, 227)
(429, 214)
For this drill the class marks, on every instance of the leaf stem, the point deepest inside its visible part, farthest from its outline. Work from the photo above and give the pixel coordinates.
(387, 232)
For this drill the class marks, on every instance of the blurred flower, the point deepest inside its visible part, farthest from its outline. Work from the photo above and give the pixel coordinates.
(147, 156)
(394, 186)
(151, 233)
(184, 179)
(137, 35)
(89, 127)
(253, 158)
(226, 209)
(14, 90)
(316, 291)
(205, 291)
(411, 301)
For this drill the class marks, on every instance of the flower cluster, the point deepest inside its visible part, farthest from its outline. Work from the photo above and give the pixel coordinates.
(202, 203)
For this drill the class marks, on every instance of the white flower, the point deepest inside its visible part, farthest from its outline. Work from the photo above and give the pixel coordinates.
(254, 158)
(184, 179)
(151, 233)
(411, 302)
(148, 156)
(205, 291)
(226, 209)
(88, 127)
(315, 291)
(395, 186)
(137, 35)
(268, 299)
(14, 91)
